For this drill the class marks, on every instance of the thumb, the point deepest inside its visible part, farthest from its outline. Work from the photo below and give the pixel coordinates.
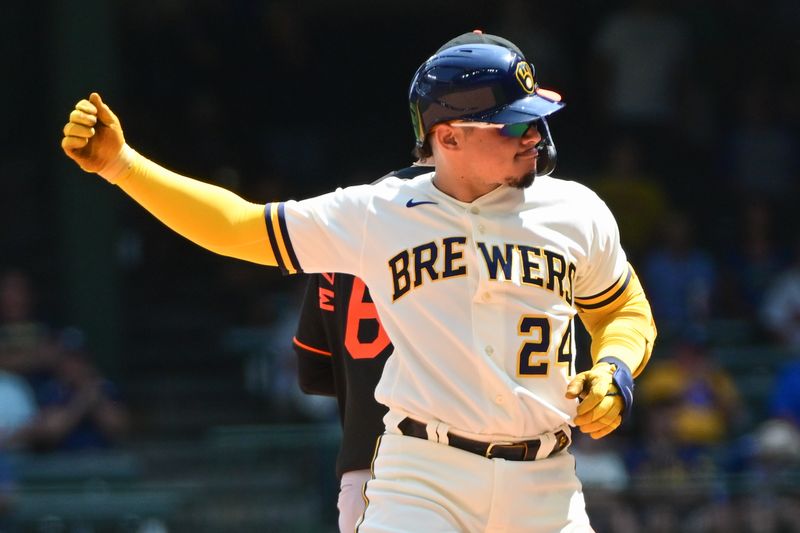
(575, 387)
(104, 113)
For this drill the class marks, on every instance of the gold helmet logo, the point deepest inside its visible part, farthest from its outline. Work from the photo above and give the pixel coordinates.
(525, 77)
(416, 122)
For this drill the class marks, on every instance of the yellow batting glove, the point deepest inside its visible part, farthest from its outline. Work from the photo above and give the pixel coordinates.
(602, 405)
(93, 136)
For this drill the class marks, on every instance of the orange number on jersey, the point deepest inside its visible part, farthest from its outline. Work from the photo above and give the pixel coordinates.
(359, 310)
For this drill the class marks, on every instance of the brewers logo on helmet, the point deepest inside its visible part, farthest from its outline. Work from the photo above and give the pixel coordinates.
(525, 77)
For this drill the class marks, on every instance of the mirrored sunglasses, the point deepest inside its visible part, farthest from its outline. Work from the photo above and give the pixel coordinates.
(506, 130)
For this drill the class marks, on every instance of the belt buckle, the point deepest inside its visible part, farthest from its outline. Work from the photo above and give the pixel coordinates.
(492, 445)
(561, 443)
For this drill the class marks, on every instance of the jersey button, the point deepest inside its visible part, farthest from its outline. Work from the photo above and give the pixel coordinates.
(474, 210)
(486, 296)
(499, 398)
(489, 350)
(481, 228)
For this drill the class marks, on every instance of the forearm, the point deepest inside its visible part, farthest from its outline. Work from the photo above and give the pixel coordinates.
(626, 330)
(624, 340)
(209, 216)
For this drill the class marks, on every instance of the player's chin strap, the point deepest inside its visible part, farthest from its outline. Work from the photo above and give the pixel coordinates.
(623, 379)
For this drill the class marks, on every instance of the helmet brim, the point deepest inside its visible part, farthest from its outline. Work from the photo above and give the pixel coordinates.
(526, 109)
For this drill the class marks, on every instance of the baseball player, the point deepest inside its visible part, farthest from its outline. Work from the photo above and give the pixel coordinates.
(477, 271)
(342, 348)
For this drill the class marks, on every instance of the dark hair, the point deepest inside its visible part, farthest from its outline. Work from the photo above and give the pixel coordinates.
(424, 151)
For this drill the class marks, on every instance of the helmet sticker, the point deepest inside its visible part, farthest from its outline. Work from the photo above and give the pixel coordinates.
(416, 122)
(525, 77)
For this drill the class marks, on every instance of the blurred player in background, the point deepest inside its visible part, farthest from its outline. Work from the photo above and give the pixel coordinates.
(341, 348)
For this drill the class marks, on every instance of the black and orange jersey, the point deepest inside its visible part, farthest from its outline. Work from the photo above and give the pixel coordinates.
(341, 349)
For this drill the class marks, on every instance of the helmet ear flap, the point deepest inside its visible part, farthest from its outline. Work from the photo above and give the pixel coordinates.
(546, 160)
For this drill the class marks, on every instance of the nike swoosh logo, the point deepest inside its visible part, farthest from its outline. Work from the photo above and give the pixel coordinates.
(412, 203)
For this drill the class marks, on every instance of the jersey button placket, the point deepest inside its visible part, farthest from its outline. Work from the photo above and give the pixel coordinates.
(484, 327)
(479, 228)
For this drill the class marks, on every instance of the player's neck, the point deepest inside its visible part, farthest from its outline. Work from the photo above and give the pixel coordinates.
(462, 187)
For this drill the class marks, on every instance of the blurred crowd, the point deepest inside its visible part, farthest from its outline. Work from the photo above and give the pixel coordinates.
(52, 397)
(682, 115)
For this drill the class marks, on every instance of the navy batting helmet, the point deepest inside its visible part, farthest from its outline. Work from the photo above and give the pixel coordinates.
(482, 83)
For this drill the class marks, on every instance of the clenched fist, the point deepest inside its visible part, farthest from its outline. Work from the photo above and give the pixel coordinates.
(93, 136)
(600, 411)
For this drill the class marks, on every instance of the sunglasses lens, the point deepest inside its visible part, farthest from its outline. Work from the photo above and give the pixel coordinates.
(515, 130)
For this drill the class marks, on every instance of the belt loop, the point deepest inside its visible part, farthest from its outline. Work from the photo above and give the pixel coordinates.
(441, 433)
(547, 443)
(392, 421)
(430, 429)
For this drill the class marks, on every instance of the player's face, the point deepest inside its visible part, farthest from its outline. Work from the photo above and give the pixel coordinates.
(501, 159)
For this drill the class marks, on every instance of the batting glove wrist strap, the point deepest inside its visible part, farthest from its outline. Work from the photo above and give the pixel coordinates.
(623, 379)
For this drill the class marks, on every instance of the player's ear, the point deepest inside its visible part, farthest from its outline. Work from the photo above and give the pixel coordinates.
(447, 137)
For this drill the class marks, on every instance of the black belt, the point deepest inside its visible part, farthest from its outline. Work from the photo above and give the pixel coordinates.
(511, 451)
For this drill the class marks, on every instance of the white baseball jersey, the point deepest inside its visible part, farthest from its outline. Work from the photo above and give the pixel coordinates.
(477, 298)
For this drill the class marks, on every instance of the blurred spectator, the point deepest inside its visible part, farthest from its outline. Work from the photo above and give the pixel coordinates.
(769, 502)
(637, 200)
(599, 464)
(17, 405)
(79, 408)
(751, 263)
(660, 470)
(286, 45)
(784, 402)
(641, 60)
(759, 156)
(689, 406)
(780, 309)
(777, 442)
(8, 491)
(675, 487)
(17, 409)
(281, 385)
(604, 476)
(705, 404)
(538, 37)
(679, 277)
(25, 344)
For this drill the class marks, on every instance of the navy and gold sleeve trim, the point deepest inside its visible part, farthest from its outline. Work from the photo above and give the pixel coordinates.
(279, 238)
(608, 296)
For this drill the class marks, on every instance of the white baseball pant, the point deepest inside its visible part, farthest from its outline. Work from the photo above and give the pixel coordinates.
(421, 485)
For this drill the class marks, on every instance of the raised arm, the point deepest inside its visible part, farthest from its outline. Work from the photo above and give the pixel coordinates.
(210, 216)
